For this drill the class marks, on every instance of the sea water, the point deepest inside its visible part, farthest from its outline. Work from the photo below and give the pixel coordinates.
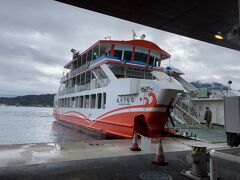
(19, 125)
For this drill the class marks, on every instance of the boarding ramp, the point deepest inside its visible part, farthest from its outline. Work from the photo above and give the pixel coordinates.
(183, 107)
(170, 73)
(184, 116)
(186, 112)
(183, 113)
(188, 86)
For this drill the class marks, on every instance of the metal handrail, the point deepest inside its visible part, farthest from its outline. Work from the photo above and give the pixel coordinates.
(179, 118)
(187, 107)
(186, 112)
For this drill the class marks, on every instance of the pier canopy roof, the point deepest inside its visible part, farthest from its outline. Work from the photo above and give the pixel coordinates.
(197, 19)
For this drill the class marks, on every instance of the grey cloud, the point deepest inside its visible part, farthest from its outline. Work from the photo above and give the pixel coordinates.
(41, 33)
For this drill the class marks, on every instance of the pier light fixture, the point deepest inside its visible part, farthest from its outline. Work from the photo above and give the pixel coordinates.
(219, 36)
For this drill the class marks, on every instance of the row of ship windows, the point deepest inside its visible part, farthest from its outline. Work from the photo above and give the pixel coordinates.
(92, 101)
(86, 77)
(138, 56)
(122, 55)
(137, 53)
(90, 55)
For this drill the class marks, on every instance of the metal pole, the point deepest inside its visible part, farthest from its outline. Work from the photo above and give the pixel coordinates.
(239, 12)
(238, 22)
(212, 169)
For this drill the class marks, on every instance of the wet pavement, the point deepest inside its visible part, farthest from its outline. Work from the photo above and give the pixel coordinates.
(96, 159)
(216, 134)
(73, 154)
(113, 168)
(125, 167)
(101, 159)
(27, 154)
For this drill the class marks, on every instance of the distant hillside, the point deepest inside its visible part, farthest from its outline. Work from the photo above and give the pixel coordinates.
(213, 85)
(29, 100)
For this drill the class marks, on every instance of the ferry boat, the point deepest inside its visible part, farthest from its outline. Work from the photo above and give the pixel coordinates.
(117, 87)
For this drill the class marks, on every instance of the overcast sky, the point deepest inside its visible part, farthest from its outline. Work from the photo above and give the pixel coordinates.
(36, 38)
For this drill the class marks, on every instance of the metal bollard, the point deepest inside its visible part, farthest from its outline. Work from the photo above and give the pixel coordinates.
(199, 166)
(198, 159)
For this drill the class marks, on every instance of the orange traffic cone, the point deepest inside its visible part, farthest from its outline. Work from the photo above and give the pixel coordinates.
(159, 159)
(135, 146)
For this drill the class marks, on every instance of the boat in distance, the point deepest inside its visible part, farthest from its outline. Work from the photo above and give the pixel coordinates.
(118, 87)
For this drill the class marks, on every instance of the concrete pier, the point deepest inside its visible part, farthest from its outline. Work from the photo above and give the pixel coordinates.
(98, 159)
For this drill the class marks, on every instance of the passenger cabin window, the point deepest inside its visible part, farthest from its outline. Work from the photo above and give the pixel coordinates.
(84, 59)
(68, 102)
(95, 52)
(104, 100)
(151, 61)
(88, 79)
(118, 54)
(104, 48)
(93, 101)
(79, 62)
(141, 57)
(89, 55)
(127, 55)
(99, 100)
(76, 102)
(131, 72)
(157, 62)
(102, 51)
(86, 104)
(81, 101)
(74, 64)
(88, 101)
(83, 80)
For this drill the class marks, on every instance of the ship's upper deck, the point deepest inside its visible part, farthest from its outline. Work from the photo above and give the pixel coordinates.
(107, 61)
(133, 52)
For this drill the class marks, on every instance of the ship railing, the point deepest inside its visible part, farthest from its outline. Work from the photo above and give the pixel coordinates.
(68, 90)
(62, 92)
(94, 84)
(79, 69)
(187, 105)
(73, 72)
(64, 78)
(103, 82)
(73, 90)
(177, 115)
(188, 113)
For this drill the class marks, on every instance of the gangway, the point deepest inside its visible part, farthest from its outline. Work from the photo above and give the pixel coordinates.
(183, 112)
(188, 86)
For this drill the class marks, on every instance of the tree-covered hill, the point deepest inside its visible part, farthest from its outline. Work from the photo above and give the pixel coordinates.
(29, 100)
(213, 85)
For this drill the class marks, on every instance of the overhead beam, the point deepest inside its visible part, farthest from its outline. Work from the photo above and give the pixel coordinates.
(197, 19)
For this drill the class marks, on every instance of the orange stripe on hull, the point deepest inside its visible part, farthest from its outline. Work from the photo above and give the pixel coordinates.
(122, 124)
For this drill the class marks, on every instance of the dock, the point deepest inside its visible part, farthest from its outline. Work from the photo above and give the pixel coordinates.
(96, 159)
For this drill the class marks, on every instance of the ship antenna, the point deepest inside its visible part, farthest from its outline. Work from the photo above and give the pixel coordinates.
(142, 37)
(134, 35)
(107, 37)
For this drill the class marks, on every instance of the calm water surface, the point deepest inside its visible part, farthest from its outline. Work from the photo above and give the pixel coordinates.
(34, 125)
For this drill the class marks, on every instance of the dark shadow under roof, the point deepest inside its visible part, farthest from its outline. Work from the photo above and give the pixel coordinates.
(197, 19)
